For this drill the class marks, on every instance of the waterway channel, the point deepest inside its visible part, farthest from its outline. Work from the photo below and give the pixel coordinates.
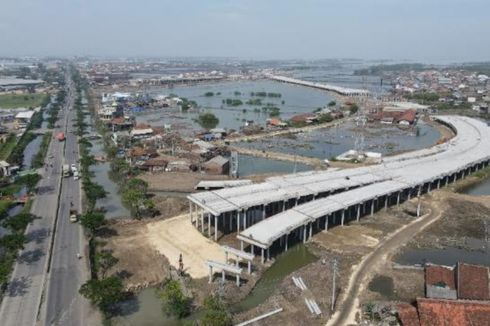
(146, 308)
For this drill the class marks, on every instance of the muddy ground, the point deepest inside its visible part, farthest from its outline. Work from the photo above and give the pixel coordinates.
(170, 206)
(347, 245)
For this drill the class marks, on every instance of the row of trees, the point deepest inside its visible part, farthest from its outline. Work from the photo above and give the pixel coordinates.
(102, 290)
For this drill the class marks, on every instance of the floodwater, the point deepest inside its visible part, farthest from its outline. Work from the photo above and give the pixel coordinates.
(293, 100)
(250, 165)
(30, 151)
(449, 256)
(143, 310)
(146, 308)
(329, 142)
(287, 262)
(112, 202)
(480, 189)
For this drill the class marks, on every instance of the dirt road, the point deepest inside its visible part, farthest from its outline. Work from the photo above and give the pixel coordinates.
(361, 274)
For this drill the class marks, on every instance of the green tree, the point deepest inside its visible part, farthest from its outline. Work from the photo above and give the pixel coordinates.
(332, 103)
(29, 180)
(13, 242)
(215, 312)
(19, 222)
(92, 221)
(175, 303)
(208, 120)
(104, 260)
(103, 293)
(353, 109)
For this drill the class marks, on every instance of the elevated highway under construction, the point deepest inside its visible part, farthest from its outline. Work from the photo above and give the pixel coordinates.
(291, 208)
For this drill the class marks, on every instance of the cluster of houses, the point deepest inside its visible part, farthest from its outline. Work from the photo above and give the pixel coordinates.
(160, 149)
(455, 295)
(454, 86)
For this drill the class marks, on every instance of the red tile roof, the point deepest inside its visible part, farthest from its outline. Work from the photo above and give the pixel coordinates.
(408, 115)
(408, 314)
(439, 275)
(473, 282)
(453, 312)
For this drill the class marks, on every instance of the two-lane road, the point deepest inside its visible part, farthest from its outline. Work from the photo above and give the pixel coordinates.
(64, 305)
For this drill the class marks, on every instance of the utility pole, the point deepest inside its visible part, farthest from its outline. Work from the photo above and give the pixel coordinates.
(334, 268)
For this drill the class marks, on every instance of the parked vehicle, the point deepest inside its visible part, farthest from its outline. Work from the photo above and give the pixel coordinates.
(73, 215)
(60, 136)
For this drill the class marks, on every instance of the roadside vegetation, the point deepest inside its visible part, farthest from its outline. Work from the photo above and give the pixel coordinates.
(12, 241)
(103, 290)
(39, 159)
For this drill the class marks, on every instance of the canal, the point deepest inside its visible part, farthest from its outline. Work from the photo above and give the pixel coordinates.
(146, 307)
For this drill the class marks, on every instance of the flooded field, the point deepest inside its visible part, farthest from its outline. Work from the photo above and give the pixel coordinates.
(480, 189)
(447, 256)
(293, 100)
(326, 143)
(250, 165)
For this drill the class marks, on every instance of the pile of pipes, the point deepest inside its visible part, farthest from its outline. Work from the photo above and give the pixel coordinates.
(310, 303)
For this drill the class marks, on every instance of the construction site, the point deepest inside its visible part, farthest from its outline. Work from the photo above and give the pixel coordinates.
(348, 219)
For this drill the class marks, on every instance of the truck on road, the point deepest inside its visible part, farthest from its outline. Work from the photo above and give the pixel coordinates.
(66, 170)
(73, 215)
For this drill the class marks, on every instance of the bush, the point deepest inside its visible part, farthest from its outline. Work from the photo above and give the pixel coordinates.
(103, 293)
(175, 303)
(208, 120)
(215, 313)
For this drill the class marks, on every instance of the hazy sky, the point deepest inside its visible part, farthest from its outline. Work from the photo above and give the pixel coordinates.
(424, 30)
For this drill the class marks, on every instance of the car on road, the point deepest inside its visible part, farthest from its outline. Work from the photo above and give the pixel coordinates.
(76, 176)
(73, 215)
(74, 167)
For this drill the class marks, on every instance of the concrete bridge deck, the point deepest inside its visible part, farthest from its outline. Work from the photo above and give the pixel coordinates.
(235, 209)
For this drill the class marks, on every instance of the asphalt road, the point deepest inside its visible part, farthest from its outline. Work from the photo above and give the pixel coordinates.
(64, 305)
(34, 296)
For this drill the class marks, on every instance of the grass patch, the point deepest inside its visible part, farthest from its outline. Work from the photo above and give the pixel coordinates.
(13, 101)
(7, 147)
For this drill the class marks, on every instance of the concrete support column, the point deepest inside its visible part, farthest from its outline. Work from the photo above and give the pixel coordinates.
(238, 216)
(268, 253)
(428, 187)
(358, 212)
(438, 183)
(237, 280)
(311, 230)
(245, 214)
(241, 245)
(343, 217)
(262, 255)
(210, 274)
(190, 212)
(263, 212)
(223, 275)
(372, 207)
(216, 228)
(252, 249)
(326, 222)
(304, 233)
(202, 221)
(387, 197)
(249, 267)
(398, 198)
(287, 236)
(209, 225)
